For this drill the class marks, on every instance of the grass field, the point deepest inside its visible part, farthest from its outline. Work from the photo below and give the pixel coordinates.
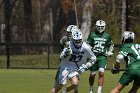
(41, 81)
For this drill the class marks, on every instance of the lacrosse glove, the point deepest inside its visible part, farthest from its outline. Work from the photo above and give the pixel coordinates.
(115, 70)
(66, 52)
(109, 53)
(82, 69)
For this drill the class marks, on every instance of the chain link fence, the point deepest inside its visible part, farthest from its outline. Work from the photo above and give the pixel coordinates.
(38, 56)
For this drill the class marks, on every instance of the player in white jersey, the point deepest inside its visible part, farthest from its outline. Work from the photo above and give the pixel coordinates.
(74, 60)
(65, 40)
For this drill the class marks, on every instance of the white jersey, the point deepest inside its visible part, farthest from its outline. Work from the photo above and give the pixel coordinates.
(78, 56)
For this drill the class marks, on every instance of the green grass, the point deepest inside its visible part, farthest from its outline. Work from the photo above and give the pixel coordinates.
(41, 81)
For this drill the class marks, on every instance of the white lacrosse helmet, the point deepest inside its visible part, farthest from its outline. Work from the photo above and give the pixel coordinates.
(77, 38)
(127, 36)
(69, 30)
(100, 26)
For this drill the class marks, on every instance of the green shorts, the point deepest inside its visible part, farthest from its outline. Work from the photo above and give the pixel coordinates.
(100, 63)
(130, 75)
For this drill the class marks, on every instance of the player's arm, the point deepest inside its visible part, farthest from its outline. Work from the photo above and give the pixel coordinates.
(116, 67)
(63, 41)
(91, 59)
(65, 53)
(86, 66)
(110, 47)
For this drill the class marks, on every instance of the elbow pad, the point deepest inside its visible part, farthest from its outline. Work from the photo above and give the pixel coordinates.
(119, 58)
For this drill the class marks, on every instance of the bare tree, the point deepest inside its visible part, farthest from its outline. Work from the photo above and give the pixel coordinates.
(123, 23)
(28, 20)
(86, 18)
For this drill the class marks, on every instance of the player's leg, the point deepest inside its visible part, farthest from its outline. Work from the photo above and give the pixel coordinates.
(136, 77)
(60, 79)
(57, 87)
(100, 80)
(74, 83)
(91, 81)
(136, 84)
(76, 89)
(73, 77)
(117, 89)
(93, 70)
(125, 79)
(134, 89)
(101, 65)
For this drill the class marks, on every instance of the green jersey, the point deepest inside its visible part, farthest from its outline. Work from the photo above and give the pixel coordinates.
(131, 53)
(99, 42)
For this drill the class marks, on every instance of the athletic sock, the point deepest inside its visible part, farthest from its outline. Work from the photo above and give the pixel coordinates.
(99, 89)
(91, 89)
(76, 89)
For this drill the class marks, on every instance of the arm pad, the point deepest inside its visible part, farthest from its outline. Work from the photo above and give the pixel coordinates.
(119, 58)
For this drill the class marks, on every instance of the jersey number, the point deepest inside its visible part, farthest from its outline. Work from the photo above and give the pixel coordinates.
(136, 49)
(99, 46)
(75, 58)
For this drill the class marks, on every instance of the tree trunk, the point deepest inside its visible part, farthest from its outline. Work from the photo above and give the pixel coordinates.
(86, 18)
(123, 25)
(28, 20)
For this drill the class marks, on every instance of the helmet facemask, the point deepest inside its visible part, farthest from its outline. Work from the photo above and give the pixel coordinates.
(77, 38)
(100, 26)
(78, 43)
(100, 29)
(127, 37)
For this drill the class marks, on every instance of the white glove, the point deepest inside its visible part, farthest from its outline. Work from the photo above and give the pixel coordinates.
(66, 52)
(82, 68)
(109, 53)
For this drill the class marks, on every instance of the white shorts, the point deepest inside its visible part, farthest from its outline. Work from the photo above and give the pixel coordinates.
(64, 73)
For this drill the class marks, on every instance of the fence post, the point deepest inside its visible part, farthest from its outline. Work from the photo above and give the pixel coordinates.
(8, 55)
(7, 29)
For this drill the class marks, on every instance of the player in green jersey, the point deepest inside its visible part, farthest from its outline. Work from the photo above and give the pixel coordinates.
(130, 52)
(102, 46)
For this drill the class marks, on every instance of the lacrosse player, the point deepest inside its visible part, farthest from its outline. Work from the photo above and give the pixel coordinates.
(65, 41)
(102, 46)
(73, 62)
(130, 52)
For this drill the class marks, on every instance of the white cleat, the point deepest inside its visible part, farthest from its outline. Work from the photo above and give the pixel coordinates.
(99, 92)
(90, 91)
